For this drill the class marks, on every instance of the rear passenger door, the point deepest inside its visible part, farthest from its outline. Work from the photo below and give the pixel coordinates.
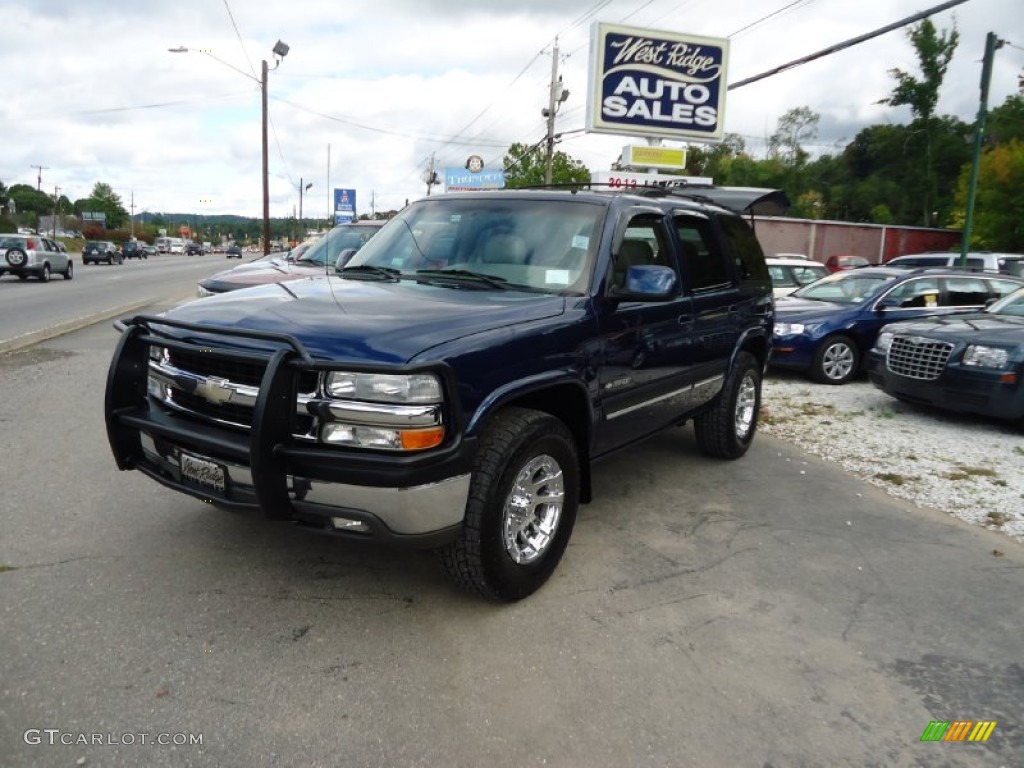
(712, 283)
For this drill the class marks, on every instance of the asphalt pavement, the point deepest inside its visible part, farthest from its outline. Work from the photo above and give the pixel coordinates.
(768, 612)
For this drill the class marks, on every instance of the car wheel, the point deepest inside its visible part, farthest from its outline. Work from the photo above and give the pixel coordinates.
(69, 273)
(726, 430)
(523, 496)
(16, 257)
(836, 361)
(44, 276)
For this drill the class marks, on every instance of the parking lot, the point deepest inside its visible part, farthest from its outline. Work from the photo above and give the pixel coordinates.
(773, 611)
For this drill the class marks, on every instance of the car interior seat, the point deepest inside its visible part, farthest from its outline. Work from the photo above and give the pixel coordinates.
(504, 248)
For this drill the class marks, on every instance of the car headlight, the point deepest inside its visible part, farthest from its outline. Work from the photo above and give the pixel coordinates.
(789, 329)
(201, 291)
(384, 387)
(884, 341)
(985, 357)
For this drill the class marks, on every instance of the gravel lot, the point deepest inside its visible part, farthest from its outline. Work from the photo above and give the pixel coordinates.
(966, 466)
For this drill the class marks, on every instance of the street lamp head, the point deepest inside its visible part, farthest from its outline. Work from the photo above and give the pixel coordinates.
(280, 49)
(179, 49)
(309, 185)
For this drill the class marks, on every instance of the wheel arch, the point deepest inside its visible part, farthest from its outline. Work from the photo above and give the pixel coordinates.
(565, 398)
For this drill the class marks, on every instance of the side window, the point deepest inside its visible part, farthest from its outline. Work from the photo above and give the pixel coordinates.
(923, 292)
(643, 244)
(703, 263)
(1002, 288)
(805, 275)
(781, 276)
(746, 251)
(966, 292)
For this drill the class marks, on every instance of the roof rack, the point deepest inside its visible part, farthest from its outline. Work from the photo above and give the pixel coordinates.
(745, 200)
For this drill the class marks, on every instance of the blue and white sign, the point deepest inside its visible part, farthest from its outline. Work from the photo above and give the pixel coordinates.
(661, 84)
(344, 205)
(464, 180)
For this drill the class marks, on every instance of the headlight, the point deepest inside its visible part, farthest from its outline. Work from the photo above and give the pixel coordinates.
(384, 388)
(789, 329)
(884, 341)
(200, 291)
(985, 357)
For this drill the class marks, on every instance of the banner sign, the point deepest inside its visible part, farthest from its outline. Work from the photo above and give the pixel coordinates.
(95, 216)
(344, 205)
(463, 180)
(628, 180)
(648, 83)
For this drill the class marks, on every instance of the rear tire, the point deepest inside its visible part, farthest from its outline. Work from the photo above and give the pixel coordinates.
(726, 430)
(523, 497)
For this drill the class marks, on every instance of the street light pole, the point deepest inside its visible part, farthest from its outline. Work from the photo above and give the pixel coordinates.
(266, 165)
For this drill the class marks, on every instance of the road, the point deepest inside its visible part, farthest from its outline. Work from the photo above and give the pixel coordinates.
(31, 311)
(770, 612)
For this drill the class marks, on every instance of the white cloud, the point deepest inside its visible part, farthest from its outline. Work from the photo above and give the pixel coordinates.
(390, 84)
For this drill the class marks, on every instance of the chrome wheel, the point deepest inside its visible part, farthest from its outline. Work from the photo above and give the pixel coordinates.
(746, 406)
(837, 362)
(533, 509)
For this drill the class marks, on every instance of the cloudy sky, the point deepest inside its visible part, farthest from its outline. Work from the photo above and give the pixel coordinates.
(370, 92)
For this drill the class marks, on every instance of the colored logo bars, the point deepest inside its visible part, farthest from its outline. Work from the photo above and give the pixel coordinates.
(958, 730)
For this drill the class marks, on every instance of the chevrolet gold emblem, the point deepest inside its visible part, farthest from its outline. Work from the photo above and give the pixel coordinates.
(215, 390)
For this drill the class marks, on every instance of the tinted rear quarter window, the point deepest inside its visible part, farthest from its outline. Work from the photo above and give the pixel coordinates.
(745, 249)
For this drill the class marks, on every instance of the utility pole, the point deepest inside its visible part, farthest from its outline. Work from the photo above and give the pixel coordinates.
(133, 214)
(991, 44)
(39, 178)
(56, 206)
(556, 95)
(431, 175)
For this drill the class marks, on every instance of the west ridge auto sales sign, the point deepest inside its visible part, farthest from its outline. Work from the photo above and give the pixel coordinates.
(659, 84)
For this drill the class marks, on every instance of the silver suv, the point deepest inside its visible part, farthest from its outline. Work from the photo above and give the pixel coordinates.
(979, 261)
(33, 255)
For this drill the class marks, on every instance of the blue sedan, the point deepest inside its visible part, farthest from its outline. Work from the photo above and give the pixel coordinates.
(827, 327)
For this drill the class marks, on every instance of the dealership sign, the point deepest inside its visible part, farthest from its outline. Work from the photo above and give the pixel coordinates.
(466, 179)
(660, 84)
(344, 205)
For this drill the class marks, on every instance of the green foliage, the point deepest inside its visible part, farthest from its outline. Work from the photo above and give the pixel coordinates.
(525, 166)
(999, 203)
(797, 126)
(104, 200)
(934, 52)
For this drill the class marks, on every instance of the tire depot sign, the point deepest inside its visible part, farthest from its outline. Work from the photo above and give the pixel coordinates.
(658, 84)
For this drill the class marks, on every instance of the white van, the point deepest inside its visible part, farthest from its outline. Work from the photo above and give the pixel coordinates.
(979, 261)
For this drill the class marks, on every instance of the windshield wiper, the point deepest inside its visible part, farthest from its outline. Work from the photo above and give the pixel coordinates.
(492, 281)
(384, 273)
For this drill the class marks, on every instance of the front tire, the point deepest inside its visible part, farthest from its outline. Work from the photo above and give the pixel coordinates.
(44, 276)
(726, 430)
(836, 360)
(523, 497)
(69, 273)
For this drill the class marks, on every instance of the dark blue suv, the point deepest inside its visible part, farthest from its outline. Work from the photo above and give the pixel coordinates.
(827, 327)
(451, 385)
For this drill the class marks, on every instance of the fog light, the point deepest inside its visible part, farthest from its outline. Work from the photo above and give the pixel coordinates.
(383, 438)
(348, 524)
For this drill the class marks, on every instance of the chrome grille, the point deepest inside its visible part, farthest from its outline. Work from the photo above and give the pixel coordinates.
(918, 358)
(221, 390)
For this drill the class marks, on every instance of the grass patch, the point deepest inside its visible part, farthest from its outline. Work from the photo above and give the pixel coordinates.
(894, 478)
(998, 518)
(966, 473)
(1019, 450)
(4, 568)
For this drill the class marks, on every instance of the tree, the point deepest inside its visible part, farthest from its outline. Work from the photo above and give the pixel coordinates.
(999, 205)
(524, 167)
(795, 127)
(103, 199)
(934, 52)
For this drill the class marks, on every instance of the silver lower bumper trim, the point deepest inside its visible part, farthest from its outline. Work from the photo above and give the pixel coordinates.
(415, 510)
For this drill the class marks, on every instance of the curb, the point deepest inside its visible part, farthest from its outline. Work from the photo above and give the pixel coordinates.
(44, 334)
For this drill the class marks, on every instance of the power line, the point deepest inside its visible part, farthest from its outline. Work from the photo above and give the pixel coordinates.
(847, 44)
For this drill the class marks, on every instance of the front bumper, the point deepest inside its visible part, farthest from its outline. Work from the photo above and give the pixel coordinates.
(959, 389)
(401, 499)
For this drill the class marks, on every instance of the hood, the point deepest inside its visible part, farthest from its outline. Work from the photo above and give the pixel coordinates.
(259, 272)
(975, 326)
(792, 309)
(368, 321)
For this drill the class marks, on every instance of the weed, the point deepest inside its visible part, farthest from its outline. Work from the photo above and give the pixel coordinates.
(998, 518)
(895, 479)
(1019, 450)
(966, 473)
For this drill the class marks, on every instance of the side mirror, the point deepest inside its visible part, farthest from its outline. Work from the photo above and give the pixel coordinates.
(647, 282)
(344, 258)
(885, 304)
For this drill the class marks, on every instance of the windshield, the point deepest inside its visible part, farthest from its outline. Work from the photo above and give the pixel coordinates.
(527, 244)
(325, 250)
(844, 287)
(1009, 305)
